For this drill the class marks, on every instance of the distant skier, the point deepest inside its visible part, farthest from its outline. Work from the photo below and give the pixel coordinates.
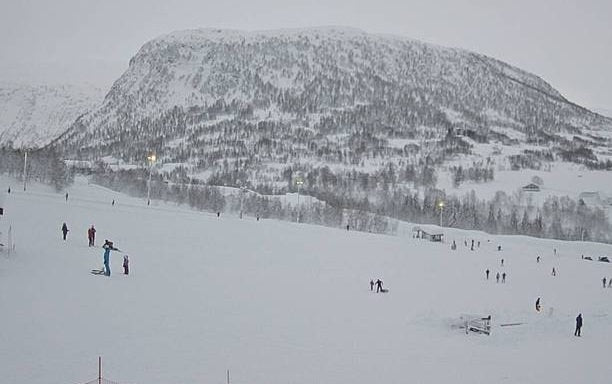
(610, 282)
(554, 272)
(108, 246)
(113, 203)
(454, 246)
(9, 190)
(499, 247)
(478, 244)
(66, 196)
(379, 285)
(347, 227)
(91, 236)
(487, 272)
(64, 230)
(504, 277)
(555, 251)
(578, 325)
(472, 244)
(497, 277)
(126, 265)
(537, 305)
(502, 262)
(604, 282)
(538, 259)
(218, 214)
(371, 285)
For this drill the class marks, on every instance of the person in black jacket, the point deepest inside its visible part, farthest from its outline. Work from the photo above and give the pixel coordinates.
(578, 325)
(64, 230)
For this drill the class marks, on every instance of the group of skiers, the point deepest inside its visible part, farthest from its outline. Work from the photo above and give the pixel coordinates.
(497, 276)
(379, 286)
(108, 247)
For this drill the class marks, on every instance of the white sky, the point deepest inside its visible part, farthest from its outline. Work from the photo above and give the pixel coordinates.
(567, 42)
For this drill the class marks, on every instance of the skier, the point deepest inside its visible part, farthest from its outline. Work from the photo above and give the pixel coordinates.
(371, 285)
(113, 203)
(499, 247)
(64, 230)
(66, 196)
(91, 235)
(504, 277)
(9, 190)
(578, 325)
(218, 214)
(538, 259)
(126, 265)
(379, 285)
(487, 272)
(502, 262)
(454, 246)
(472, 244)
(610, 282)
(604, 281)
(478, 244)
(497, 277)
(554, 272)
(555, 251)
(347, 227)
(537, 305)
(108, 246)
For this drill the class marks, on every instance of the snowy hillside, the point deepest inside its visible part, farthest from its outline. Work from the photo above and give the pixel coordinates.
(33, 116)
(287, 303)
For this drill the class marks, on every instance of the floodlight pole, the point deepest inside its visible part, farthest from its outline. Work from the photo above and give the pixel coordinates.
(441, 206)
(299, 183)
(25, 169)
(151, 158)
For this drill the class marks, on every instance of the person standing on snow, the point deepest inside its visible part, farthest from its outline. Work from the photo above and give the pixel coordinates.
(108, 246)
(554, 272)
(497, 277)
(379, 285)
(537, 305)
(604, 281)
(91, 235)
(126, 265)
(504, 277)
(371, 285)
(578, 325)
(64, 230)
(487, 272)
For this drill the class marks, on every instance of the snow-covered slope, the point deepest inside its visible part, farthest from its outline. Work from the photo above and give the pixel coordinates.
(32, 116)
(285, 303)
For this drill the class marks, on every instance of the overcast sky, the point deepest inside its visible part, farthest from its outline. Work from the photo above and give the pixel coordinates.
(568, 43)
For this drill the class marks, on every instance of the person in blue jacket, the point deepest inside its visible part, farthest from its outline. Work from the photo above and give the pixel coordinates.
(108, 246)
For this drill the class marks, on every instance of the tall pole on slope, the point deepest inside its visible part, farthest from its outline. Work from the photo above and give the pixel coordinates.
(25, 169)
(441, 206)
(299, 183)
(99, 369)
(151, 158)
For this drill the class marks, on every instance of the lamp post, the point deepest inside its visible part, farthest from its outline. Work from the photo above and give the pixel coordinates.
(441, 206)
(298, 182)
(151, 158)
(25, 169)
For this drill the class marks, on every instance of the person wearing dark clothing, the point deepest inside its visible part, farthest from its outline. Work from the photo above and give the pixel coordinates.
(126, 265)
(497, 277)
(347, 227)
(91, 235)
(379, 285)
(554, 272)
(113, 203)
(371, 285)
(218, 214)
(538, 259)
(9, 190)
(66, 196)
(502, 262)
(537, 305)
(504, 277)
(487, 272)
(578, 325)
(64, 230)
(499, 247)
(604, 282)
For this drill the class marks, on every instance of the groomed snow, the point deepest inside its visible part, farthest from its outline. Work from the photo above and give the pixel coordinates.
(279, 302)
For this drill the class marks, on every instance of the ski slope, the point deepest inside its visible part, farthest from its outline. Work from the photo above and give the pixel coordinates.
(277, 302)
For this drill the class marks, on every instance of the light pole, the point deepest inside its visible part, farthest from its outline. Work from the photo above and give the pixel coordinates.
(25, 169)
(441, 206)
(298, 182)
(151, 158)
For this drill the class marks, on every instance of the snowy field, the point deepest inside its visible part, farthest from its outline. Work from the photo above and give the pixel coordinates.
(277, 302)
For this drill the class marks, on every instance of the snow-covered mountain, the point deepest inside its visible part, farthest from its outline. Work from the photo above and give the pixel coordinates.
(326, 90)
(604, 112)
(34, 115)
